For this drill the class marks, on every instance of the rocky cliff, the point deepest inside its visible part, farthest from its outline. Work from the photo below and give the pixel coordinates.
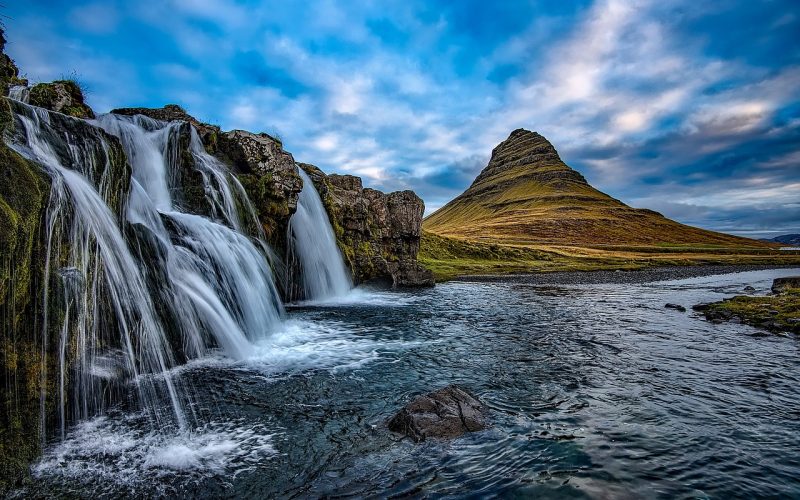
(378, 233)
(23, 196)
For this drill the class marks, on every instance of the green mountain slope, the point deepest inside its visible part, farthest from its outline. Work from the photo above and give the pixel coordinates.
(527, 195)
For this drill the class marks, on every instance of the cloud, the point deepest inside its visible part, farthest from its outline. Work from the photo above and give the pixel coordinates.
(651, 100)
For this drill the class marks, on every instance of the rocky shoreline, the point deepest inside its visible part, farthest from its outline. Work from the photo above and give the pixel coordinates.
(645, 275)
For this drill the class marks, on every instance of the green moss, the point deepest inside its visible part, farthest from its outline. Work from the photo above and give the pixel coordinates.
(777, 313)
(46, 95)
(23, 192)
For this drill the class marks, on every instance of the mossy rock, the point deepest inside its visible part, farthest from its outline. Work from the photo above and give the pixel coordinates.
(23, 194)
(62, 96)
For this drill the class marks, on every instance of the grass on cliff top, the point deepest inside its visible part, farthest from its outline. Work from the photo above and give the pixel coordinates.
(778, 313)
(451, 257)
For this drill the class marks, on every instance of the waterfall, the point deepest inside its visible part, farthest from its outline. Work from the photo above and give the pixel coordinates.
(134, 282)
(312, 242)
(104, 301)
(19, 93)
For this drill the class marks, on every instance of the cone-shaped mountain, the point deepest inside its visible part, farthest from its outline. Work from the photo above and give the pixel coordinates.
(527, 194)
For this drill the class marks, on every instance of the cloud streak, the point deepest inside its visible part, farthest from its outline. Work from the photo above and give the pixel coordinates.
(651, 101)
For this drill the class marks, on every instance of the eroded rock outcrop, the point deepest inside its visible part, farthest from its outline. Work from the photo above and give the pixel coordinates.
(446, 413)
(780, 285)
(269, 175)
(379, 233)
(62, 96)
(267, 172)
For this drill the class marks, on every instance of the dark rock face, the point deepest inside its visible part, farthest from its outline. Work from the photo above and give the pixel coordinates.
(378, 233)
(677, 307)
(24, 193)
(780, 285)
(446, 413)
(9, 73)
(62, 96)
(269, 175)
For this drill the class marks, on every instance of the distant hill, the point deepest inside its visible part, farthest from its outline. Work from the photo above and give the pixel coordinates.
(786, 239)
(528, 195)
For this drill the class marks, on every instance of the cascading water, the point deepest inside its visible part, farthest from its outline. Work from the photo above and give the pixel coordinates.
(19, 93)
(312, 242)
(108, 321)
(127, 296)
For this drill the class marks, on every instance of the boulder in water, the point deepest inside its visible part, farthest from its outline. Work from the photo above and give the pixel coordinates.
(446, 413)
(677, 307)
(780, 285)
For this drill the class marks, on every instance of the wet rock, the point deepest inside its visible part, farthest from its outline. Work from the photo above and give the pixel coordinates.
(677, 307)
(749, 289)
(267, 172)
(172, 112)
(446, 413)
(780, 285)
(62, 96)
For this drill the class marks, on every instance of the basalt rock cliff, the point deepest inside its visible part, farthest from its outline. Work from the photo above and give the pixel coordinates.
(378, 233)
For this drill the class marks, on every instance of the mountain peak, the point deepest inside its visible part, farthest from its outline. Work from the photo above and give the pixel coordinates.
(527, 153)
(527, 194)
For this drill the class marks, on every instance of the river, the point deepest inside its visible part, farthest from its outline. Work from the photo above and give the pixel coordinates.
(595, 390)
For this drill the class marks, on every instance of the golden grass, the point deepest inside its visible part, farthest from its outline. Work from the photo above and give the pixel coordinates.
(451, 257)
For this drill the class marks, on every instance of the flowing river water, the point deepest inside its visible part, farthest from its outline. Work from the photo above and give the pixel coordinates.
(594, 390)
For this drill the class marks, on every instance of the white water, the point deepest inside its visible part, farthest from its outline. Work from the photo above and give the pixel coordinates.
(129, 294)
(104, 298)
(312, 242)
(19, 93)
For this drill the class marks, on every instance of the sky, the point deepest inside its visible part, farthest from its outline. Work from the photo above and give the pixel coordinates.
(687, 107)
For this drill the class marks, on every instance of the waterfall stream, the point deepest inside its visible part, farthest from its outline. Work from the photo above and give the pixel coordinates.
(313, 243)
(134, 287)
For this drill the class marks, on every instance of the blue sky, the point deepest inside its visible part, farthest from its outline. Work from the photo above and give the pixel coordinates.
(691, 108)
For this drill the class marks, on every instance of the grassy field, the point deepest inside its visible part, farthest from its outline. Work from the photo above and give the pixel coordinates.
(451, 257)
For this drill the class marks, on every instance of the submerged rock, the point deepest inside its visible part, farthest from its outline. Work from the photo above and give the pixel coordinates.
(677, 307)
(446, 413)
(748, 289)
(780, 285)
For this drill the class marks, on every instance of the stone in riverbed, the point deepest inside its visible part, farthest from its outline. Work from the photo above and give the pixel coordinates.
(780, 285)
(677, 307)
(446, 413)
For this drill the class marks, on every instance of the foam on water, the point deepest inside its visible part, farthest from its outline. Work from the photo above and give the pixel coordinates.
(124, 451)
(363, 297)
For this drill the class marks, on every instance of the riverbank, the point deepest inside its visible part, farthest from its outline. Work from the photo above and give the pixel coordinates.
(629, 276)
(451, 258)
(777, 313)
